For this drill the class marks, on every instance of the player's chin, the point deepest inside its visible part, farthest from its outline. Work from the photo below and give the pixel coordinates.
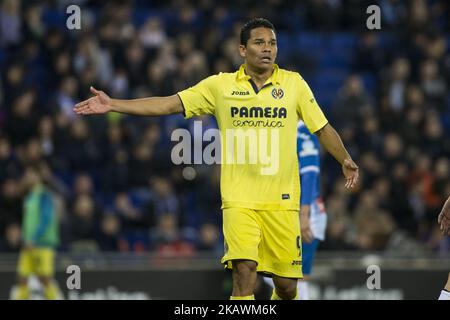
(265, 65)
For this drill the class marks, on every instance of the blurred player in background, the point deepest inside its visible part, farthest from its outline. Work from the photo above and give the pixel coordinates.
(444, 221)
(260, 211)
(40, 233)
(313, 218)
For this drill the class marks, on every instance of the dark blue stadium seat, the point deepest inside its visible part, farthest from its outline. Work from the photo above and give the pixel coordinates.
(55, 18)
(370, 82)
(306, 41)
(342, 40)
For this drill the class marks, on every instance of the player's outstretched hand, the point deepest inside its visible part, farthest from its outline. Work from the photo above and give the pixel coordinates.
(444, 218)
(351, 173)
(100, 103)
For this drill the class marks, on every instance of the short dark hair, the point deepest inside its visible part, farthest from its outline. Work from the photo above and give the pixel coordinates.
(253, 24)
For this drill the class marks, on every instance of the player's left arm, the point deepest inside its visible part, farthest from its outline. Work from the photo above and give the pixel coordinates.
(330, 139)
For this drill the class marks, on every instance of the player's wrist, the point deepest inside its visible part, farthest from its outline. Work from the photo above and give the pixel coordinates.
(114, 105)
(348, 158)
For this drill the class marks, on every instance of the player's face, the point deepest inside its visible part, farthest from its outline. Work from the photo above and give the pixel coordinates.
(261, 49)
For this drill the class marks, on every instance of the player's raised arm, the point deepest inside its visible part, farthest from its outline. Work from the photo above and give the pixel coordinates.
(154, 106)
(330, 139)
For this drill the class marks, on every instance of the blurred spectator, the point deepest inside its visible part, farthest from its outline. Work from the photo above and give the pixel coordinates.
(130, 216)
(374, 225)
(433, 84)
(34, 27)
(109, 238)
(10, 22)
(397, 82)
(141, 164)
(83, 224)
(209, 237)
(163, 201)
(352, 103)
(152, 34)
(82, 151)
(369, 56)
(393, 12)
(22, 122)
(339, 235)
(10, 203)
(66, 96)
(12, 240)
(168, 240)
(83, 185)
(45, 132)
(9, 164)
(14, 84)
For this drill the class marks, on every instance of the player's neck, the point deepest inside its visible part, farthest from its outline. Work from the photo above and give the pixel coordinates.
(259, 77)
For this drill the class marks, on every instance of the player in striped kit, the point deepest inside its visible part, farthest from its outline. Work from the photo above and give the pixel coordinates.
(313, 218)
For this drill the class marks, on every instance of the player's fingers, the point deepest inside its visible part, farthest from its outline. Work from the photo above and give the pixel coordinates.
(81, 104)
(79, 110)
(354, 180)
(347, 183)
(85, 110)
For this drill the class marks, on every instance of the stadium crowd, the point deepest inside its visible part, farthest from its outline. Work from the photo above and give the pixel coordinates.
(386, 91)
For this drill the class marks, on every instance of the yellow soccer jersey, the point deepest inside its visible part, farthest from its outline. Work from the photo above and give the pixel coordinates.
(259, 166)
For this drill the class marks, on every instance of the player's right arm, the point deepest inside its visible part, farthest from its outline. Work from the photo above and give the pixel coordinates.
(154, 106)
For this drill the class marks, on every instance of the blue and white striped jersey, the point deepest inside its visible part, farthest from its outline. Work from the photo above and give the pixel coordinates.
(308, 152)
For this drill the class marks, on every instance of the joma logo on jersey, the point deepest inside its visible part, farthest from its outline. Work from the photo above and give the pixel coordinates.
(296, 263)
(240, 93)
(258, 112)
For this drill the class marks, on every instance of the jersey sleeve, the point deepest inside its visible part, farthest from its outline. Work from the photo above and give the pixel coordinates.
(307, 108)
(201, 98)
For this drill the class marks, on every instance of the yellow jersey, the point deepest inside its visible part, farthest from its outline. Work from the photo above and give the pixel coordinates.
(258, 130)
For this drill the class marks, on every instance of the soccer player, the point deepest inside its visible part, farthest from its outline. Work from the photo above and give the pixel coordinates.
(40, 237)
(444, 221)
(260, 204)
(313, 218)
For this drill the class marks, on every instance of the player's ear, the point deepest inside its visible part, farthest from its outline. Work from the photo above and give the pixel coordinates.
(242, 51)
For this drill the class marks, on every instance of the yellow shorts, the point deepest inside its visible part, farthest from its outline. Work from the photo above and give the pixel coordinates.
(37, 261)
(271, 238)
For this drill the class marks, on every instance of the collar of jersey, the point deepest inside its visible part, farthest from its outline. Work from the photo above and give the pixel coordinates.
(241, 75)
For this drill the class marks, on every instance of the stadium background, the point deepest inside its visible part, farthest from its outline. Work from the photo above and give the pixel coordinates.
(135, 222)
